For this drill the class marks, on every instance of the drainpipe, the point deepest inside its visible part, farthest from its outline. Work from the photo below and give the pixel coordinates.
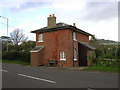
(73, 45)
(73, 51)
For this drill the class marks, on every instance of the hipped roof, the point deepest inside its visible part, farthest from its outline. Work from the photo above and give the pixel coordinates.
(61, 26)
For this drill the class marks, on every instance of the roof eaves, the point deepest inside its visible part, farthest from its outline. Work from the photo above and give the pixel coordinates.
(62, 27)
(49, 29)
(80, 31)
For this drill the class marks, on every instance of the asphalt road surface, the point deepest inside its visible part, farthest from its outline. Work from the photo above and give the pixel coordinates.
(18, 76)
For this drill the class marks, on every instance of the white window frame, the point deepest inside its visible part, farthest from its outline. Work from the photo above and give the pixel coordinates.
(75, 54)
(40, 38)
(74, 36)
(62, 56)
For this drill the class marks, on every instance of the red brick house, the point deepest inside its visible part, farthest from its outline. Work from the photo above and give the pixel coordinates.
(60, 42)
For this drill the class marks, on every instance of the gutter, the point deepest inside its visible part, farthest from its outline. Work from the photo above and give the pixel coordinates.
(61, 28)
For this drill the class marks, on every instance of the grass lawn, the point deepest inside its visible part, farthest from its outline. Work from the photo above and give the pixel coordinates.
(103, 68)
(15, 62)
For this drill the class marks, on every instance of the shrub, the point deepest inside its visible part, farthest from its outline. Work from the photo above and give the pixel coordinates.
(99, 52)
(118, 51)
(24, 56)
(100, 61)
(110, 55)
(4, 55)
(14, 55)
(92, 58)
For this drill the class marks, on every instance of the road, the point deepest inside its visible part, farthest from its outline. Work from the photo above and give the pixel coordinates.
(18, 76)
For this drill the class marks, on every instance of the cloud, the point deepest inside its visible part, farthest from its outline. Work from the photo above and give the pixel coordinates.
(69, 5)
(85, 14)
(22, 5)
(27, 26)
(27, 5)
(97, 11)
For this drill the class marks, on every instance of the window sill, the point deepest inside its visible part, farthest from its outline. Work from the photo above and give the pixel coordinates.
(62, 59)
(75, 40)
(40, 41)
(75, 59)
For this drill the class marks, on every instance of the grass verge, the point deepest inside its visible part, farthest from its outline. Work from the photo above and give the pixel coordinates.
(103, 68)
(15, 62)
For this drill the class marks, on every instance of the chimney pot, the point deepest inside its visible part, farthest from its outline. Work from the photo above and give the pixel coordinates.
(74, 24)
(53, 15)
(50, 15)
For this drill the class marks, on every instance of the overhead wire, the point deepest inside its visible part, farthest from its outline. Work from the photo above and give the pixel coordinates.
(8, 25)
(12, 26)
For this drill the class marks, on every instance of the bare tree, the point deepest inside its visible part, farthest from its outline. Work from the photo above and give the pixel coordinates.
(18, 37)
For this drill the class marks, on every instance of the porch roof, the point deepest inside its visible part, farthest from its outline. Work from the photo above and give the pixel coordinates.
(37, 48)
(87, 45)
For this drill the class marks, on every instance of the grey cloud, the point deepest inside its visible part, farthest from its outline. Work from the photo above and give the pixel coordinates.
(97, 11)
(27, 5)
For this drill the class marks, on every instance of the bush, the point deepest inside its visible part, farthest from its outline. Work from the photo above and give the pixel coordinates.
(14, 55)
(4, 55)
(106, 63)
(99, 52)
(100, 61)
(9, 55)
(118, 51)
(110, 55)
(92, 58)
(24, 56)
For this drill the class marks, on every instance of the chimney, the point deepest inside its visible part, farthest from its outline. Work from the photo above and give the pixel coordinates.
(51, 21)
(74, 24)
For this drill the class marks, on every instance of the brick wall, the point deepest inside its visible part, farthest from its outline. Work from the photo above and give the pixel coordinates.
(34, 58)
(57, 41)
(53, 43)
(37, 57)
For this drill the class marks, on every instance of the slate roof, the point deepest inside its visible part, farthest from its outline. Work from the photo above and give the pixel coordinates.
(61, 26)
(37, 48)
(87, 45)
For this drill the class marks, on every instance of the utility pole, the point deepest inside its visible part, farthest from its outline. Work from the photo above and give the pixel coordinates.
(7, 30)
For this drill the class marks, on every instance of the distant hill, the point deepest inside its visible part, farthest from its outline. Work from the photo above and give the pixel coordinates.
(106, 42)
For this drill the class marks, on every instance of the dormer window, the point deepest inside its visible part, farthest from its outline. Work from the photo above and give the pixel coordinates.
(74, 36)
(40, 38)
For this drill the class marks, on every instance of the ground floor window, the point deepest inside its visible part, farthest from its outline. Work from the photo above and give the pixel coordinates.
(62, 56)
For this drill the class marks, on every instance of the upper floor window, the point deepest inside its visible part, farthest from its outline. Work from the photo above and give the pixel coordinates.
(62, 56)
(74, 36)
(40, 38)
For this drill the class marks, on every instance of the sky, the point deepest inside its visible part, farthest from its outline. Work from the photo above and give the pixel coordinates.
(97, 17)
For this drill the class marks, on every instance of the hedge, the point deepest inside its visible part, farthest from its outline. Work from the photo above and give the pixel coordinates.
(14, 55)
